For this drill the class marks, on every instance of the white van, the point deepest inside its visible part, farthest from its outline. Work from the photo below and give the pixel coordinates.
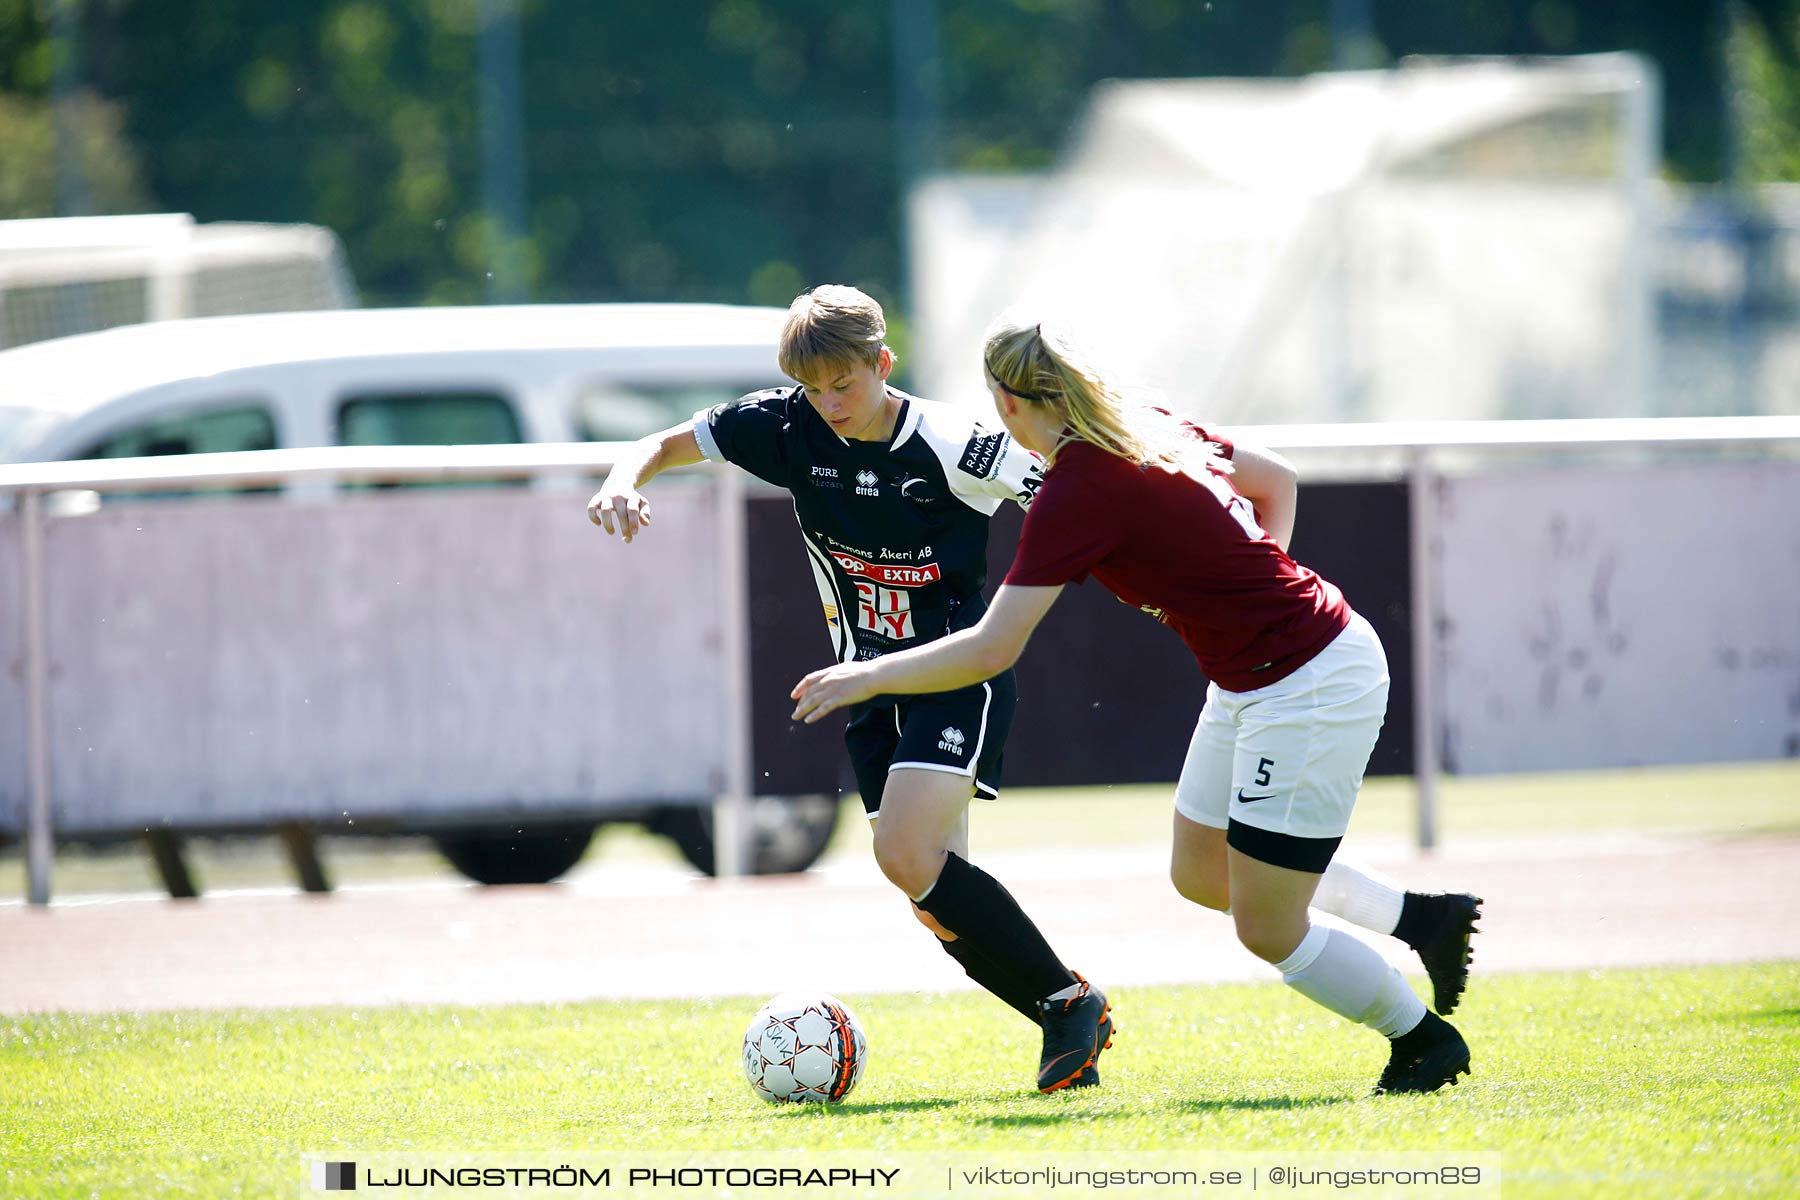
(531, 373)
(464, 376)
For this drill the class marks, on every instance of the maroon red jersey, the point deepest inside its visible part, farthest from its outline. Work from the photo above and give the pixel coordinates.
(1186, 548)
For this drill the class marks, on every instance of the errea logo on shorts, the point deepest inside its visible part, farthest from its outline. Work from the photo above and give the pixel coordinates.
(865, 483)
(952, 740)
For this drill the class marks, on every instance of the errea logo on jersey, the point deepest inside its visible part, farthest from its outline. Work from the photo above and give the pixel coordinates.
(952, 740)
(865, 483)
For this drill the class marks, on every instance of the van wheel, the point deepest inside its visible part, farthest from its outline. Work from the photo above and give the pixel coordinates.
(788, 833)
(532, 854)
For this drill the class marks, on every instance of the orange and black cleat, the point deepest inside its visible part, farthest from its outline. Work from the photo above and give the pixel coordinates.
(1075, 1031)
(1090, 1075)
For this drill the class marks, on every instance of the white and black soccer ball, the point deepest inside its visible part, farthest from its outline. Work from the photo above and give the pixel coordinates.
(804, 1046)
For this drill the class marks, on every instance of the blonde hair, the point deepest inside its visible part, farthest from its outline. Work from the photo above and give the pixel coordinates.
(831, 326)
(1041, 368)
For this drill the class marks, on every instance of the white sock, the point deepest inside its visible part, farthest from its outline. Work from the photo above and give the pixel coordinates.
(1360, 896)
(1068, 993)
(1338, 971)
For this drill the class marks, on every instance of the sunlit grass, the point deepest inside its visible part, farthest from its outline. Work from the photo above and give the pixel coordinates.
(1621, 1083)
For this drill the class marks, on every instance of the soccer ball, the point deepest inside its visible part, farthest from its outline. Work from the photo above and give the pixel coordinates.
(804, 1046)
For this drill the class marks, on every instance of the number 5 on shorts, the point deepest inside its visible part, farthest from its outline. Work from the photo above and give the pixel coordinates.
(1263, 777)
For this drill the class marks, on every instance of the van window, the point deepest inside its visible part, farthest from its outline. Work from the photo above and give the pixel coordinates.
(427, 419)
(210, 431)
(460, 418)
(611, 410)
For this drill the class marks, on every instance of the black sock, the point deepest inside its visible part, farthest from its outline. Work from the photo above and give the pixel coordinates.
(994, 977)
(1418, 919)
(971, 904)
(1415, 1040)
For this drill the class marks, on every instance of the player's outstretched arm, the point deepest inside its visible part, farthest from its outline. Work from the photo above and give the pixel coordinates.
(1268, 481)
(619, 507)
(959, 660)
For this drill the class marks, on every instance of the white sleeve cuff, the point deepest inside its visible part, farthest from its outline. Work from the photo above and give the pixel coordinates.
(703, 434)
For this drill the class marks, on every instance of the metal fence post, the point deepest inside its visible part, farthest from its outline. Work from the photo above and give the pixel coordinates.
(40, 846)
(1427, 726)
(732, 832)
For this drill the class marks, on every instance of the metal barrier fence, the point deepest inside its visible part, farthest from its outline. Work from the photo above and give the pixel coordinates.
(1434, 460)
(456, 655)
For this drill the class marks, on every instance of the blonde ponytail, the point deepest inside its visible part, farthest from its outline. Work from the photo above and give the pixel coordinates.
(1041, 368)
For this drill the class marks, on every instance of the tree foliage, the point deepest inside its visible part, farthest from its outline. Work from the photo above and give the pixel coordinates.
(725, 149)
(28, 152)
(1771, 98)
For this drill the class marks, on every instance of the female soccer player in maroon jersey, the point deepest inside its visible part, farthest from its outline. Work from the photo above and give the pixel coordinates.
(1194, 529)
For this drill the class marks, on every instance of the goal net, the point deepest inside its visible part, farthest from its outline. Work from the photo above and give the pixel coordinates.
(79, 274)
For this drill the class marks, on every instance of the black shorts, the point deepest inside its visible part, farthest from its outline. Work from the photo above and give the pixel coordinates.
(961, 733)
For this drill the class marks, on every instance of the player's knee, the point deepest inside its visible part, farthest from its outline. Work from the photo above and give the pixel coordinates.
(1202, 887)
(1270, 938)
(911, 868)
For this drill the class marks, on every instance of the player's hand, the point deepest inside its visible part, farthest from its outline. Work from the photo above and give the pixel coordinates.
(832, 688)
(619, 509)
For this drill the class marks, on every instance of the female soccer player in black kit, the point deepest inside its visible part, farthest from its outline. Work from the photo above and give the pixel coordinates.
(893, 495)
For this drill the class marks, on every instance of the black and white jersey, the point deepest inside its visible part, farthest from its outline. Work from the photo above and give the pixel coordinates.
(896, 531)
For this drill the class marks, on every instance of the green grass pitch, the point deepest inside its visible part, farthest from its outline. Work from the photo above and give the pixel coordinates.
(1642, 1083)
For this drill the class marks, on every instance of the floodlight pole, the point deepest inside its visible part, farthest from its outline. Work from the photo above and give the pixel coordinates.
(72, 198)
(1353, 43)
(918, 114)
(1728, 18)
(1750, 236)
(1640, 156)
(497, 54)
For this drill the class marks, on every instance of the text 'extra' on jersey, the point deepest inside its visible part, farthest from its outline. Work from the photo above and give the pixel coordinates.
(896, 531)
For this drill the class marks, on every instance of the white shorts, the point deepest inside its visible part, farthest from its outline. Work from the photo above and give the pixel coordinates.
(1288, 759)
